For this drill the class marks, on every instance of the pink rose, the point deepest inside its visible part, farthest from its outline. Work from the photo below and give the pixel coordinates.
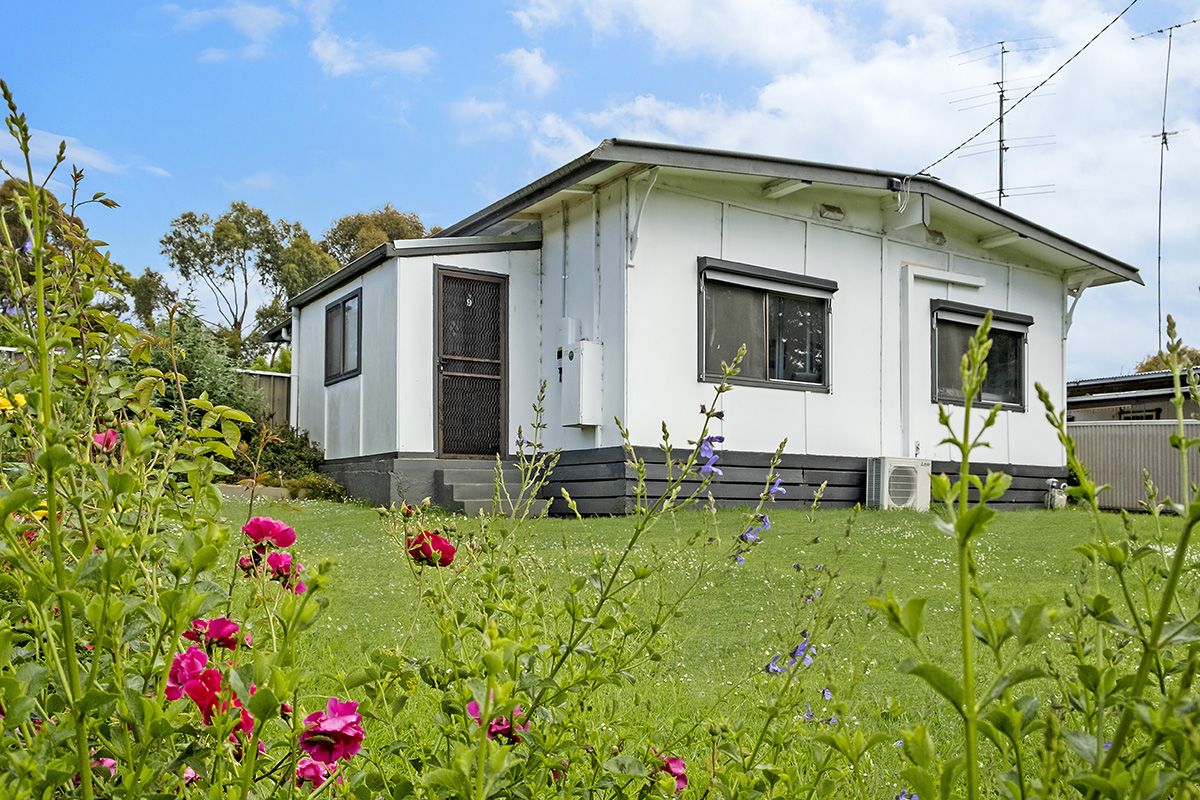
(205, 690)
(262, 529)
(109, 764)
(310, 771)
(106, 441)
(432, 549)
(280, 563)
(190, 776)
(333, 734)
(677, 768)
(221, 632)
(185, 667)
(500, 726)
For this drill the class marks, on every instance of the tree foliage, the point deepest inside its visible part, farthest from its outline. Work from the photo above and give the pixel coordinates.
(302, 262)
(1156, 362)
(229, 255)
(150, 292)
(354, 234)
(241, 254)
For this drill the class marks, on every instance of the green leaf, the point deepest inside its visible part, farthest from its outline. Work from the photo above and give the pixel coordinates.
(625, 765)
(1005, 682)
(939, 680)
(263, 704)
(14, 501)
(237, 416)
(1083, 745)
(57, 458)
(1095, 783)
(231, 432)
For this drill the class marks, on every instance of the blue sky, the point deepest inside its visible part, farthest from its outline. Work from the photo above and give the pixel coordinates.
(313, 108)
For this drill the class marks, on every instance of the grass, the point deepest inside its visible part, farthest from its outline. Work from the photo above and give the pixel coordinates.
(741, 615)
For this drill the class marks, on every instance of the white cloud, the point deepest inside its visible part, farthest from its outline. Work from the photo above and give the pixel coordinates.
(412, 60)
(558, 141)
(335, 57)
(43, 148)
(345, 55)
(771, 33)
(158, 172)
(339, 55)
(884, 106)
(480, 119)
(535, 15)
(260, 181)
(530, 71)
(257, 24)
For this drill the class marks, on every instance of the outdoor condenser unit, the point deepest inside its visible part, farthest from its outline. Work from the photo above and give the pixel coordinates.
(894, 482)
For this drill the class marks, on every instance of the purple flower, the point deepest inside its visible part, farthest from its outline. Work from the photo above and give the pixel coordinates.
(751, 535)
(707, 467)
(826, 693)
(907, 795)
(808, 714)
(706, 445)
(777, 488)
(772, 666)
(27, 248)
(802, 652)
(739, 558)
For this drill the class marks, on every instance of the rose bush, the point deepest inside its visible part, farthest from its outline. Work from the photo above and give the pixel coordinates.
(127, 668)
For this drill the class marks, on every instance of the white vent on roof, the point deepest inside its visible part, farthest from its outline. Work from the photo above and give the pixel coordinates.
(898, 483)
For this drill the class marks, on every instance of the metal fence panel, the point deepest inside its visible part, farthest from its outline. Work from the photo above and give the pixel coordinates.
(1116, 453)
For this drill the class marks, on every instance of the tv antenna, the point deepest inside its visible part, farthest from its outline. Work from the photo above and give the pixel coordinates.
(1164, 144)
(1001, 87)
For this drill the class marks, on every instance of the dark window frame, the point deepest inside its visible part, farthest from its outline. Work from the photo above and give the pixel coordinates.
(340, 374)
(1010, 322)
(770, 282)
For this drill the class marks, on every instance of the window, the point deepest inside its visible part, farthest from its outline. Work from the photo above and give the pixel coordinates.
(954, 325)
(782, 318)
(343, 338)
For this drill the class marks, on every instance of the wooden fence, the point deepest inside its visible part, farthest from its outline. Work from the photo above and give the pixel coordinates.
(1116, 453)
(275, 388)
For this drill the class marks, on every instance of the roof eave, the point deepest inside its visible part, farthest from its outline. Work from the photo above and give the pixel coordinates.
(614, 151)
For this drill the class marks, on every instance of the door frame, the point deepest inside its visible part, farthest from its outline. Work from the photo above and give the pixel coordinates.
(440, 271)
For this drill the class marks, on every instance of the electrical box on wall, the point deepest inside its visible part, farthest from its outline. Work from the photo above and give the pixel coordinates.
(581, 383)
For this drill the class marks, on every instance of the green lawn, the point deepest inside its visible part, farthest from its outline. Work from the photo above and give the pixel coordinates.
(741, 615)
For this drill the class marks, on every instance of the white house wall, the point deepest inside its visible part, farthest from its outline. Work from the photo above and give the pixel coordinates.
(354, 416)
(880, 371)
(582, 278)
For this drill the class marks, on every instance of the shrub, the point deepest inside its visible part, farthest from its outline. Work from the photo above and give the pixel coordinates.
(315, 486)
(286, 453)
(188, 347)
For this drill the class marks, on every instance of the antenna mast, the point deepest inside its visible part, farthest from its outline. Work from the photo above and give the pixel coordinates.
(1163, 137)
(1002, 142)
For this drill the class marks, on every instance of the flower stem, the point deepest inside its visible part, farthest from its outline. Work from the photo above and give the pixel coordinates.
(54, 531)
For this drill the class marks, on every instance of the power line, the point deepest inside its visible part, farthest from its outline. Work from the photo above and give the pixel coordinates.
(1010, 109)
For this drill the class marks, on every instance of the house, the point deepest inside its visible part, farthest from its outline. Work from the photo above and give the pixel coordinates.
(1139, 397)
(625, 277)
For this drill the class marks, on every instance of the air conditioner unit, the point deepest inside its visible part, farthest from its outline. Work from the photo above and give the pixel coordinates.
(894, 482)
